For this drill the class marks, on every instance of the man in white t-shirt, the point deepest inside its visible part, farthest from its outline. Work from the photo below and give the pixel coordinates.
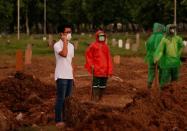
(64, 52)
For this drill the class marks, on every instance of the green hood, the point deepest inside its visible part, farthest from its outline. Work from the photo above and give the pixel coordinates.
(157, 27)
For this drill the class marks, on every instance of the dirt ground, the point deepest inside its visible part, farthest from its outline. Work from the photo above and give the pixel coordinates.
(28, 99)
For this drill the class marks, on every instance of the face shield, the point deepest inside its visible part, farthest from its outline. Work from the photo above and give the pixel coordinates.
(101, 37)
(172, 30)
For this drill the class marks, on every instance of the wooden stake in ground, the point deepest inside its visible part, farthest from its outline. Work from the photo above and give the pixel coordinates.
(28, 54)
(120, 43)
(116, 59)
(114, 42)
(156, 82)
(127, 44)
(50, 40)
(91, 90)
(136, 46)
(76, 44)
(19, 61)
(138, 39)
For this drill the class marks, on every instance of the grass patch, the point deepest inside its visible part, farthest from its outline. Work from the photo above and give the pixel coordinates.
(9, 44)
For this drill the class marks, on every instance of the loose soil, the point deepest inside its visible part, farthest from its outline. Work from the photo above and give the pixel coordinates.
(28, 98)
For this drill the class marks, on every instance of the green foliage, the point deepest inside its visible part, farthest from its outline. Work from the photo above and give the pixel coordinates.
(6, 11)
(9, 45)
(93, 13)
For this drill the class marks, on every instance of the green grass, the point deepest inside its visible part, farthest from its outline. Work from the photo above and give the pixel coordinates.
(86, 40)
(40, 47)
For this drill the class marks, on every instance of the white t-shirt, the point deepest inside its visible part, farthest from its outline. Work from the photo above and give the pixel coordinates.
(63, 68)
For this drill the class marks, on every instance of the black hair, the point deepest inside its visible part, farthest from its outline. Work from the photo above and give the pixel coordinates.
(61, 28)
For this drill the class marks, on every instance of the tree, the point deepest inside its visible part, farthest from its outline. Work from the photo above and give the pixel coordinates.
(6, 14)
(91, 13)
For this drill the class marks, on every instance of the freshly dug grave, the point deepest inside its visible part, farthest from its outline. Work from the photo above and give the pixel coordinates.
(7, 122)
(27, 99)
(126, 105)
(147, 111)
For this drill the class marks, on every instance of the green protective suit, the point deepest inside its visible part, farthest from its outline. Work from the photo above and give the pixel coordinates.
(151, 45)
(168, 57)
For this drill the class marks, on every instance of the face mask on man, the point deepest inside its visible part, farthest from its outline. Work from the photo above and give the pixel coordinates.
(69, 36)
(101, 38)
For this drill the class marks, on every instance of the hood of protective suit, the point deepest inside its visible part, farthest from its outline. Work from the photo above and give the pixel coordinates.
(157, 27)
(97, 36)
(168, 28)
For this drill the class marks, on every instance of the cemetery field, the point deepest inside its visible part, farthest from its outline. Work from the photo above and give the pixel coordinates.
(27, 100)
(9, 44)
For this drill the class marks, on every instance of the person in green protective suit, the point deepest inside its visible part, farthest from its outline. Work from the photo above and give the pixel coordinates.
(168, 56)
(151, 46)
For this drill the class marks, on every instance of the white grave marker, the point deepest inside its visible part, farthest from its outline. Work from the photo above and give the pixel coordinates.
(50, 41)
(185, 43)
(127, 44)
(114, 42)
(137, 38)
(120, 43)
(44, 38)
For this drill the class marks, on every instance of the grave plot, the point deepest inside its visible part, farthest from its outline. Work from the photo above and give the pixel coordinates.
(126, 105)
(22, 94)
(142, 111)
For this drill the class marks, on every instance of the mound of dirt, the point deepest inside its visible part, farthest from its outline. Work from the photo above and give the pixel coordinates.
(28, 100)
(7, 121)
(42, 114)
(95, 117)
(158, 111)
(126, 105)
(21, 91)
(109, 121)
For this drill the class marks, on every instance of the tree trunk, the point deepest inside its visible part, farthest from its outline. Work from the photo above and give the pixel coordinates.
(27, 24)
